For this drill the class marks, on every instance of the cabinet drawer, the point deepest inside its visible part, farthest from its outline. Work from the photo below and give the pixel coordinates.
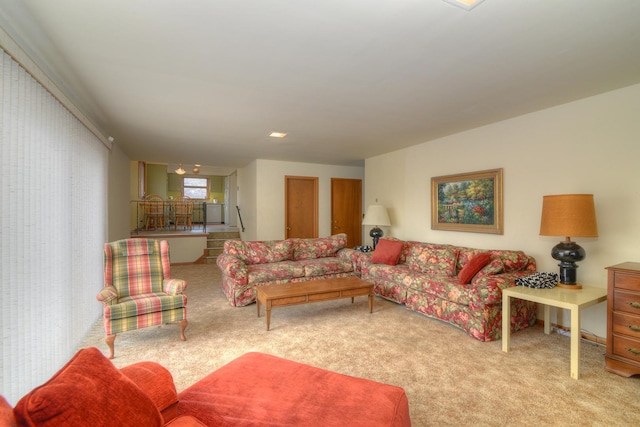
(288, 301)
(324, 296)
(625, 280)
(628, 348)
(626, 324)
(629, 302)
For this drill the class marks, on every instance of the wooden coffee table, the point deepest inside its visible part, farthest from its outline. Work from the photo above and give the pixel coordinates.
(286, 294)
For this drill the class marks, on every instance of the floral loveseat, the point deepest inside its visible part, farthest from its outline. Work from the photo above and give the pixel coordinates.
(432, 279)
(247, 264)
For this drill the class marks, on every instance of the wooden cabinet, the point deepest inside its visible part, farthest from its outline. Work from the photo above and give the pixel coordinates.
(623, 319)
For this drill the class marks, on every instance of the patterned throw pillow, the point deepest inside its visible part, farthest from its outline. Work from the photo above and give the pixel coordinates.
(539, 280)
(440, 261)
(495, 266)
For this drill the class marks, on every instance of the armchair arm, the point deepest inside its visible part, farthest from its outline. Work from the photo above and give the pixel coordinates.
(107, 294)
(234, 268)
(157, 383)
(174, 286)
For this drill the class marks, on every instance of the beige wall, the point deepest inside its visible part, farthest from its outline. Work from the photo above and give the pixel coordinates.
(263, 207)
(119, 182)
(247, 183)
(587, 146)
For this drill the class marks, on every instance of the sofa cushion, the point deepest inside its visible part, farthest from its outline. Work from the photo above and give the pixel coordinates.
(260, 273)
(260, 252)
(495, 266)
(387, 252)
(325, 266)
(440, 261)
(88, 390)
(512, 260)
(473, 266)
(318, 247)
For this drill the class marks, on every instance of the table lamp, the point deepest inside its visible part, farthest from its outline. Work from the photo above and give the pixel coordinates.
(568, 215)
(377, 216)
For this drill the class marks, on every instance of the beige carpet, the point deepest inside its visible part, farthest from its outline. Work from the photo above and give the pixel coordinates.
(450, 378)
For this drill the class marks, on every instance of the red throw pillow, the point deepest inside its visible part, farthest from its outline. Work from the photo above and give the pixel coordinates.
(387, 252)
(473, 266)
(88, 390)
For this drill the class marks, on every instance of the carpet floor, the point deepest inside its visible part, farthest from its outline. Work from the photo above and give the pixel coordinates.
(449, 377)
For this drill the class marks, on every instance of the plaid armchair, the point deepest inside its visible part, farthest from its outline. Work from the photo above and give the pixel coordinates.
(138, 291)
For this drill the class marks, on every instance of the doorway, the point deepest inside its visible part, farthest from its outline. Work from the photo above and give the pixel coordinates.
(301, 207)
(346, 209)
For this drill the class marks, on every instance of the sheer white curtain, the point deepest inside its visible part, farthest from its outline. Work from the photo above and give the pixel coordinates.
(53, 204)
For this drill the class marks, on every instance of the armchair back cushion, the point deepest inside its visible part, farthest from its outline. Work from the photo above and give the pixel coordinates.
(136, 266)
(88, 390)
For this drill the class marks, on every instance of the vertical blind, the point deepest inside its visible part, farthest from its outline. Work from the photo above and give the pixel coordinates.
(53, 204)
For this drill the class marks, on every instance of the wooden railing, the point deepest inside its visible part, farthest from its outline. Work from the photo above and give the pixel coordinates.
(240, 218)
(168, 210)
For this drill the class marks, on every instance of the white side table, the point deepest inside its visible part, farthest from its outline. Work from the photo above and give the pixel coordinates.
(574, 300)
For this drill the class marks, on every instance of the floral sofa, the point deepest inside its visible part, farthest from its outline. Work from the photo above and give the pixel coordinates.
(247, 264)
(432, 279)
(255, 389)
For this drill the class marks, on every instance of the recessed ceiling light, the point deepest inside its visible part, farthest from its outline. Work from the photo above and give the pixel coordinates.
(277, 135)
(465, 4)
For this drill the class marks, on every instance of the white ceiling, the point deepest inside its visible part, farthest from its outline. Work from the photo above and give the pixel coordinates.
(205, 81)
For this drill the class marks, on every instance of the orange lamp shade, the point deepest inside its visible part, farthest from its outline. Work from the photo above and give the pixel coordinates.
(570, 215)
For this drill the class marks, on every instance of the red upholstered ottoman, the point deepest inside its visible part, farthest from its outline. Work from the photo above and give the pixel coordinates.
(260, 389)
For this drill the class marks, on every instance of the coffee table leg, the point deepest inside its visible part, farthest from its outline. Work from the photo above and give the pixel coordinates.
(268, 309)
(258, 306)
(371, 302)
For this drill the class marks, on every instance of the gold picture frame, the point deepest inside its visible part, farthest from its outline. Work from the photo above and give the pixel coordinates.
(469, 202)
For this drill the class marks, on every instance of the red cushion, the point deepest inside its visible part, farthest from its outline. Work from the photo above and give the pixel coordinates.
(6, 414)
(88, 391)
(387, 252)
(473, 266)
(258, 389)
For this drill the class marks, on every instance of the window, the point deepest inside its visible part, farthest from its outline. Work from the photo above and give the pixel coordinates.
(196, 188)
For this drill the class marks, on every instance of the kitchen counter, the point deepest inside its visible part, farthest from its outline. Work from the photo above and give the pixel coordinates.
(214, 213)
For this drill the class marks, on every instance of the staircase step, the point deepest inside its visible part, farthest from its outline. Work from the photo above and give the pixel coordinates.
(223, 235)
(213, 252)
(215, 244)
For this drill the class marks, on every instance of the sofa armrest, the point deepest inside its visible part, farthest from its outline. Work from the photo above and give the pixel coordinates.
(234, 268)
(352, 256)
(157, 383)
(488, 289)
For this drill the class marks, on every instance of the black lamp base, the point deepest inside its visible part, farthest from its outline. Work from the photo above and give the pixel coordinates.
(375, 233)
(568, 253)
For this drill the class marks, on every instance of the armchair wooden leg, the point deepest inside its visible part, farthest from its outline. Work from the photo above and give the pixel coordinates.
(183, 326)
(110, 340)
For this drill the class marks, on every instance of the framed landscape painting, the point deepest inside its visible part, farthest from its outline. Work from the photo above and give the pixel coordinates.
(468, 202)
